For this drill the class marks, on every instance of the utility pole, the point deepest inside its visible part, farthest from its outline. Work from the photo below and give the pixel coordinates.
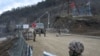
(39, 20)
(48, 19)
(89, 3)
(68, 7)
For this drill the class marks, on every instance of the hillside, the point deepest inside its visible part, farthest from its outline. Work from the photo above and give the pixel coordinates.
(31, 13)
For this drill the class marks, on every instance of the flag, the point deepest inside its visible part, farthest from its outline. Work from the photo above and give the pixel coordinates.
(73, 8)
(72, 5)
(33, 25)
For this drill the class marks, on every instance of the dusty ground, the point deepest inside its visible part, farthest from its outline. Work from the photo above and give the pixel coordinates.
(59, 45)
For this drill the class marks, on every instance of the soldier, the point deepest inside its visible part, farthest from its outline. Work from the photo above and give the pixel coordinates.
(76, 48)
(34, 35)
(44, 32)
(58, 32)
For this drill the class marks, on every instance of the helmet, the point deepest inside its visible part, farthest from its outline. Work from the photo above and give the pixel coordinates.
(76, 47)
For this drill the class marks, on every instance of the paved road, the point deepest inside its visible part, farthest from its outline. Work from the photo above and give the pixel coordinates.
(59, 45)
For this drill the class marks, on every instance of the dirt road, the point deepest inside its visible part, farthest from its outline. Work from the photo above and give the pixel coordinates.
(59, 45)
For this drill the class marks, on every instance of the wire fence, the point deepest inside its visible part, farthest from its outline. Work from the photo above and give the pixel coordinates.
(20, 47)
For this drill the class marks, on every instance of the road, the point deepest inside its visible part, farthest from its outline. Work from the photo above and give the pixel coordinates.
(59, 45)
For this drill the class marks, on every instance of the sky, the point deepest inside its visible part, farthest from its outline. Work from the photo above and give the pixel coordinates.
(6, 5)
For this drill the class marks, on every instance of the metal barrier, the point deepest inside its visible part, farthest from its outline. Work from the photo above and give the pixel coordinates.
(20, 47)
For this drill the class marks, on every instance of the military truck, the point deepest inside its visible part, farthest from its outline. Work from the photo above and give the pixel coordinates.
(40, 29)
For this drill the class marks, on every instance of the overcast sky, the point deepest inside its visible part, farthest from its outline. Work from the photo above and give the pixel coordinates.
(9, 4)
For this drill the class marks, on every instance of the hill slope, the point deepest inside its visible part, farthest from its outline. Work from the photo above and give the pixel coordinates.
(29, 14)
